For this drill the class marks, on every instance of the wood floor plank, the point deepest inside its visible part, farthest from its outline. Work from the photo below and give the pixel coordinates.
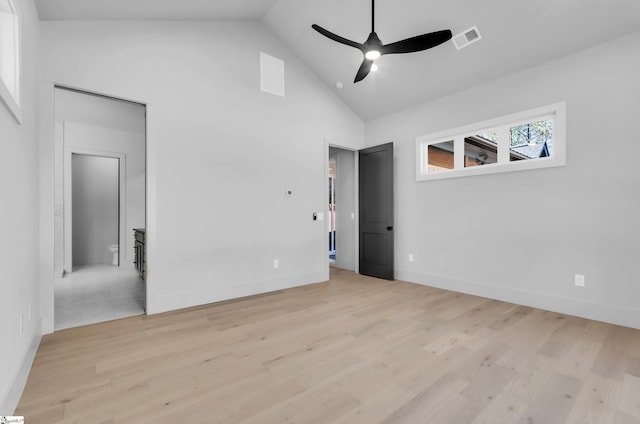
(423, 406)
(615, 353)
(381, 404)
(630, 398)
(597, 401)
(554, 401)
(352, 350)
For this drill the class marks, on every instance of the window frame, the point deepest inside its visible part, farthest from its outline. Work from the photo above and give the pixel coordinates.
(556, 111)
(13, 103)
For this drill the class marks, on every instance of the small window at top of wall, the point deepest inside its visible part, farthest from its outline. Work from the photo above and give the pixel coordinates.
(10, 57)
(525, 140)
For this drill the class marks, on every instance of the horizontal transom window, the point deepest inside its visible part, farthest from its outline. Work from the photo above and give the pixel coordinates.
(525, 140)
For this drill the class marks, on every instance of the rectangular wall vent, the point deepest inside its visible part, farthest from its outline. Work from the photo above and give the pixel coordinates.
(271, 75)
(466, 38)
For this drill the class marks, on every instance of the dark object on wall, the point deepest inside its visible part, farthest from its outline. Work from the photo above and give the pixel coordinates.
(140, 258)
(373, 47)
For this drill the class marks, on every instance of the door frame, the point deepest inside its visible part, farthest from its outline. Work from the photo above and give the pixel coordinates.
(68, 199)
(325, 249)
(46, 245)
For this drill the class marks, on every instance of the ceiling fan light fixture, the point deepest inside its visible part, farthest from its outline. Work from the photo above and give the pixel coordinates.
(373, 48)
(372, 54)
(374, 67)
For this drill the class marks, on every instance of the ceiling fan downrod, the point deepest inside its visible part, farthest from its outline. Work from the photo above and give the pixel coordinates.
(373, 15)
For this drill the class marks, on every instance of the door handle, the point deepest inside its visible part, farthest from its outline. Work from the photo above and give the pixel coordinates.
(390, 228)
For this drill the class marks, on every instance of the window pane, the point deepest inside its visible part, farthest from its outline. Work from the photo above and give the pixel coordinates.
(479, 150)
(5, 6)
(489, 135)
(8, 49)
(531, 141)
(440, 156)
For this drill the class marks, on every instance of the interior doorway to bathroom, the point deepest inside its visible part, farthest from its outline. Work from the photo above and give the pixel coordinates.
(100, 184)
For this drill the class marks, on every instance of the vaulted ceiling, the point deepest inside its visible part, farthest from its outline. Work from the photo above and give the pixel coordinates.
(516, 34)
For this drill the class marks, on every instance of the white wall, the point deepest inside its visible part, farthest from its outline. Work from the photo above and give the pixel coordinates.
(95, 208)
(522, 236)
(220, 152)
(19, 225)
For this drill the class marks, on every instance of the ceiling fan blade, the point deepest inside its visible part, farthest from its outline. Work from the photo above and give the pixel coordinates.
(364, 70)
(417, 43)
(337, 38)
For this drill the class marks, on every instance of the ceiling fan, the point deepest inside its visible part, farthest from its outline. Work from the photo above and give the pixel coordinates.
(373, 47)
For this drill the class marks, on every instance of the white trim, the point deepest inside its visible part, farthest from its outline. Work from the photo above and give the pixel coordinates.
(325, 190)
(612, 314)
(356, 201)
(46, 118)
(558, 157)
(11, 399)
(10, 100)
(151, 189)
(356, 179)
(187, 299)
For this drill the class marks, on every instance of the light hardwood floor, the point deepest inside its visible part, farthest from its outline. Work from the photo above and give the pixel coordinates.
(353, 350)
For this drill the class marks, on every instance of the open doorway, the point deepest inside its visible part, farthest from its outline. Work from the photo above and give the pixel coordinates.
(100, 184)
(332, 209)
(341, 216)
(95, 217)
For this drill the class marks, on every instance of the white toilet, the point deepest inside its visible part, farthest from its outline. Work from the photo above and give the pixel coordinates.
(113, 248)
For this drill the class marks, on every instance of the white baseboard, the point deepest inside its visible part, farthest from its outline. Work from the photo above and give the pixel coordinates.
(10, 402)
(219, 294)
(612, 314)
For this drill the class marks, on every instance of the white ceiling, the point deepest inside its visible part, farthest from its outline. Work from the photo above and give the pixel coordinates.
(517, 34)
(152, 9)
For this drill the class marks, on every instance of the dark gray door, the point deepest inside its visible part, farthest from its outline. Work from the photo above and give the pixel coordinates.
(376, 211)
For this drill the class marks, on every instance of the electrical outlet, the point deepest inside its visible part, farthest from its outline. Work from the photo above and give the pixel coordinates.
(276, 264)
(579, 281)
(410, 257)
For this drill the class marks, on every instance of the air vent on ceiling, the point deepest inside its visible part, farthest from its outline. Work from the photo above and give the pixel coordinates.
(466, 38)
